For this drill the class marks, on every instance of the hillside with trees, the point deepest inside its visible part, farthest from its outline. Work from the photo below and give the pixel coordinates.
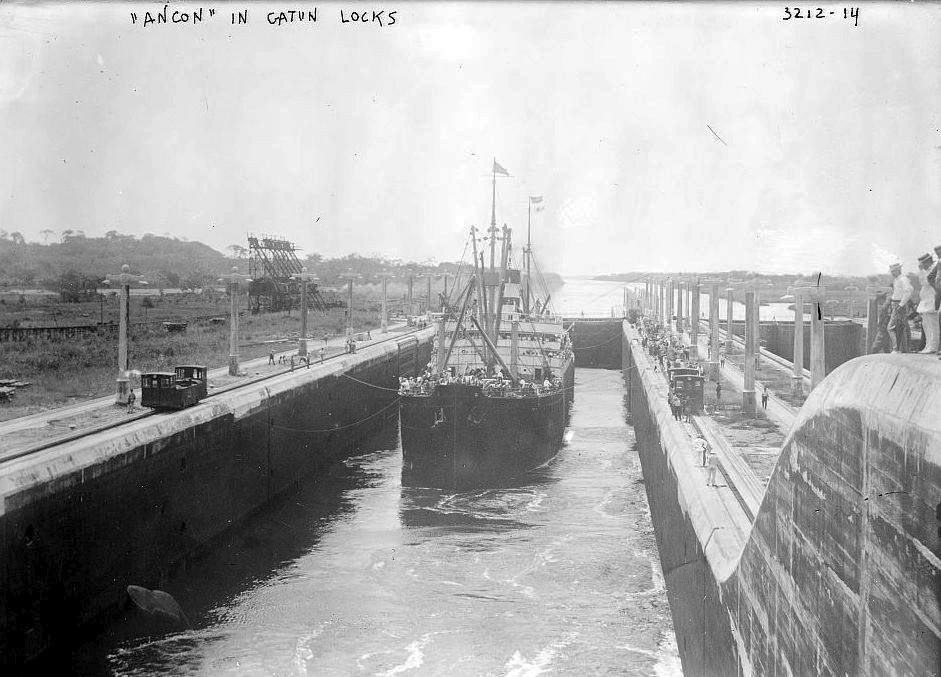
(74, 265)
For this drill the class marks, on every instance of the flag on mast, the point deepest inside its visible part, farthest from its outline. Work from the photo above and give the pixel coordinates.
(497, 169)
(537, 200)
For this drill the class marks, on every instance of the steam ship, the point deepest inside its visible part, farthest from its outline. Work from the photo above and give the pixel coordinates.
(494, 401)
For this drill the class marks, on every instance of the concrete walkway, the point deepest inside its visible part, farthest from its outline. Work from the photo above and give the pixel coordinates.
(60, 424)
(778, 410)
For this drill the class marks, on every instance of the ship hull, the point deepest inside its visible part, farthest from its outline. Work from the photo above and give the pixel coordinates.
(459, 438)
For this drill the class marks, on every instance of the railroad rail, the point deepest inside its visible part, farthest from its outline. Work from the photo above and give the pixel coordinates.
(71, 436)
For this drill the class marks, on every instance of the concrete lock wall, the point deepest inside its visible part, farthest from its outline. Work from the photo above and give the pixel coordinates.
(696, 548)
(843, 340)
(841, 572)
(83, 520)
(597, 343)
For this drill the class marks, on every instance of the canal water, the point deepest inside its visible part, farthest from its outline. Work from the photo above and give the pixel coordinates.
(353, 574)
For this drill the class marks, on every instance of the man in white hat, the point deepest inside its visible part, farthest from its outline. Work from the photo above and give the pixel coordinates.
(902, 290)
(926, 305)
(935, 280)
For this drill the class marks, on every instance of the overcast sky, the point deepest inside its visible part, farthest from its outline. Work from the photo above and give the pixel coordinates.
(360, 138)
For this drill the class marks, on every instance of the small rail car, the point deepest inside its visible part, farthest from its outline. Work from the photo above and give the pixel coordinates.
(688, 384)
(181, 388)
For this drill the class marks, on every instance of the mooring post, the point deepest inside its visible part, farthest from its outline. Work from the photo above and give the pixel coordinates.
(748, 387)
(233, 279)
(714, 331)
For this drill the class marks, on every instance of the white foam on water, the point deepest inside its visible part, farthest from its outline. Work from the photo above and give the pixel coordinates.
(601, 508)
(302, 649)
(569, 436)
(535, 505)
(668, 657)
(415, 657)
(659, 585)
(519, 666)
(637, 649)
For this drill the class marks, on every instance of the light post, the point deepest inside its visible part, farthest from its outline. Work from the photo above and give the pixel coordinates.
(797, 354)
(408, 302)
(349, 311)
(234, 279)
(815, 295)
(694, 319)
(384, 313)
(124, 279)
(304, 277)
(714, 331)
(669, 303)
(730, 299)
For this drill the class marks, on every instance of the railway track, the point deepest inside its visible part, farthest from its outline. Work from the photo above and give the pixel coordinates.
(17, 453)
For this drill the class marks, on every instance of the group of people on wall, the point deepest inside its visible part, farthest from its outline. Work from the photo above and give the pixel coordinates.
(902, 304)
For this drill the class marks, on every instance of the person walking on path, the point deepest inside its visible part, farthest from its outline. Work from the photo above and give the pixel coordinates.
(902, 290)
(711, 466)
(271, 357)
(131, 399)
(926, 304)
(323, 351)
(718, 392)
(764, 398)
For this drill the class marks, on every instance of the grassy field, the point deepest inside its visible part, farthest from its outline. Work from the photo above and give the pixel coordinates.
(62, 371)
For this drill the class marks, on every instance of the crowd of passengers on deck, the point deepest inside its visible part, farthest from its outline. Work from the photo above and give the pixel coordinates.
(495, 385)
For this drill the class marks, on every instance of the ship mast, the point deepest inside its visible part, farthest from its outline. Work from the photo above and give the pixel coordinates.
(529, 244)
(493, 248)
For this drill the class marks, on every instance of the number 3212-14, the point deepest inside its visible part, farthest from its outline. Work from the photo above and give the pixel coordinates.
(820, 13)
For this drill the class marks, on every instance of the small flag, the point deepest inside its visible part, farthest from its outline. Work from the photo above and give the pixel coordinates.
(497, 169)
(538, 202)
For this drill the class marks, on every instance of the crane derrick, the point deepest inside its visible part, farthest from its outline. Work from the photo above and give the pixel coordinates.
(272, 265)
